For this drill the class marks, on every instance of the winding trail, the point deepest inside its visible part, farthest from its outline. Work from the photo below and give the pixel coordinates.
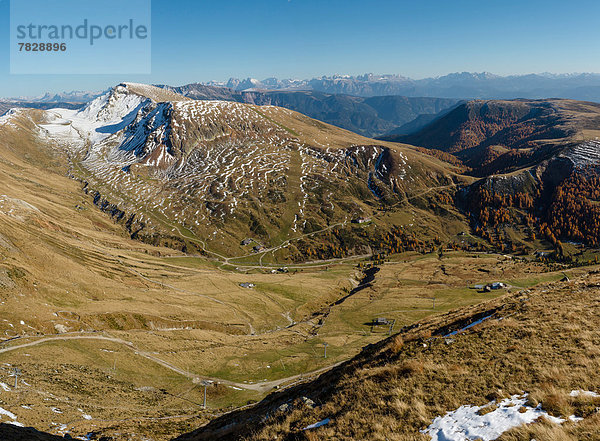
(258, 387)
(228, 260)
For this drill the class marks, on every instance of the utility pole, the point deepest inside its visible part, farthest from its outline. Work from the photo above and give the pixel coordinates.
(325, 347)
(16, 373)
(205, 383)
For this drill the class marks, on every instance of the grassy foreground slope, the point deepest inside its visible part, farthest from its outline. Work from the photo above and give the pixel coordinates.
(543, 342)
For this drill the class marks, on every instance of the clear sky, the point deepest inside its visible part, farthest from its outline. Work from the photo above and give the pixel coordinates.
(200, 40)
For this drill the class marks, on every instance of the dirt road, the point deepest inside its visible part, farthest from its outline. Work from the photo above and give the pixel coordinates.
(262, 387)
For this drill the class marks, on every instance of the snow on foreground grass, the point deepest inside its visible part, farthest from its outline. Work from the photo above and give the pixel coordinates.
(10, 415)
(467, 423)
(583, 393)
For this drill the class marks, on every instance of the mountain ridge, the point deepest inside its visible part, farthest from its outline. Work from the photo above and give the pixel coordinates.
(227, 170)
(369, 117)
(458, 85)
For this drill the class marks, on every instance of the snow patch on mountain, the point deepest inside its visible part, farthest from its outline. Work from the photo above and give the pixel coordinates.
(7, 413)
(114, 106)
(584, 154)
(466, 423)
(102, 117)
(8, 118)
(584, 393)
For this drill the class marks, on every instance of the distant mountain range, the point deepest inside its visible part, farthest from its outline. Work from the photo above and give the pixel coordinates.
(65, 100)
(463, 85)
(372, 116)
(459, 85)
(75, 96)
(370, 105)
(5, 106)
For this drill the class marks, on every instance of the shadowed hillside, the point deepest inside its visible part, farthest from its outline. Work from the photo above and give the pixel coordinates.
(371, 116)
(9, 432)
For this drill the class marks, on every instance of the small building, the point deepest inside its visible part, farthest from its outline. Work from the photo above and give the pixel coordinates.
(258, 248)
(246, 241)
(382, 321)
(479, 287)
(247, 285)
(497, 285)
(361, 220)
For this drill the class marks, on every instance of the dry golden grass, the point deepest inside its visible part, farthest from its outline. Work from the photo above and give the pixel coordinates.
(66, 266)
(541, 342)
(397, 343)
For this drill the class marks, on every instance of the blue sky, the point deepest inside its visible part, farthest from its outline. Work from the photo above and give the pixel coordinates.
(198, 40)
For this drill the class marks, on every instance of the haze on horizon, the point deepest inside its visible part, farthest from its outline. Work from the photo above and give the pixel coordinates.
(201, 41)
(223, 81)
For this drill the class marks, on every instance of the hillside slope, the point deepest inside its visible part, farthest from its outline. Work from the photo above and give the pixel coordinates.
(539, 164)
(201, 175)
(137, 326)
(537, 347)
(491, 136)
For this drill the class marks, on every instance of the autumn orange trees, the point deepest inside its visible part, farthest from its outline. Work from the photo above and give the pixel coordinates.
(575, 209)
(492, 209)
(572, 211)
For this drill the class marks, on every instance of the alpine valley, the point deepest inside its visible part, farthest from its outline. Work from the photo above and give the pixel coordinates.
(202, 262)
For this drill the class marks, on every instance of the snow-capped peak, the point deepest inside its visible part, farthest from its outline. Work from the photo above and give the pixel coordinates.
(113, 106)
(156, 94)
